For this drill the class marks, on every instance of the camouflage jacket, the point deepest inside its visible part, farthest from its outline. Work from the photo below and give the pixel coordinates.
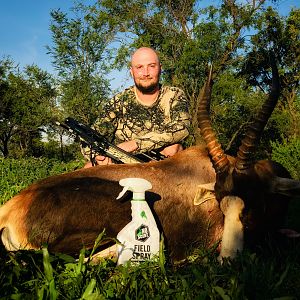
(164, 123)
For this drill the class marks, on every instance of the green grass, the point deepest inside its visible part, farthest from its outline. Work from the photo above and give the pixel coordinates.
(17, 174)
(38, 275)
(270, 271)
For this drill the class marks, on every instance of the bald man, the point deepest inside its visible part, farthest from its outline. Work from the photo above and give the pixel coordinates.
(147, 116)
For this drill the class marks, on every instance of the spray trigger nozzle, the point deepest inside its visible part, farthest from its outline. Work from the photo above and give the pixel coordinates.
(122, 193)
(136, 185)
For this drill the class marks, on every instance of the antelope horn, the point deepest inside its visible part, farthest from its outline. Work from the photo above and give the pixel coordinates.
(255, 130)
(218, 156)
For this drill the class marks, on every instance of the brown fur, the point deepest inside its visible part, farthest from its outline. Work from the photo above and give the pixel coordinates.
(70, 210)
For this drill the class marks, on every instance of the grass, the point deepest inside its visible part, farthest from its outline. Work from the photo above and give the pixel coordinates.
(16, 175)
(269, 273)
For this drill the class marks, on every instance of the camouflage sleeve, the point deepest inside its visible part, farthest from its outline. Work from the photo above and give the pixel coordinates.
(172, 131)
(105, 125)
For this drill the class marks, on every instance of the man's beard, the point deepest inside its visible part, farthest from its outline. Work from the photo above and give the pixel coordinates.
(150, 89)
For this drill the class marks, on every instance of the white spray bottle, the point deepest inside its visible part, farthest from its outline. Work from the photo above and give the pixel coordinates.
(139, 238)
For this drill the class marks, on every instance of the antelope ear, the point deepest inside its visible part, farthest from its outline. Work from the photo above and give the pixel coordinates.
(286, 186)
(204, 193)
(208, 186)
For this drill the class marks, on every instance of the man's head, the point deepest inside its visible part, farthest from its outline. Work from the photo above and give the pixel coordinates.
(145, 70)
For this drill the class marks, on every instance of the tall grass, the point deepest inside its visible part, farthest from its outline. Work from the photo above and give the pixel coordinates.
(16, 174)
(40, 275)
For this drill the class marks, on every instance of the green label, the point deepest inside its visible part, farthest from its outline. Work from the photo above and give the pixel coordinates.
(143, 214)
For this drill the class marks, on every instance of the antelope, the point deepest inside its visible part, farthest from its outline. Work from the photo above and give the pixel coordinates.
(200, 196)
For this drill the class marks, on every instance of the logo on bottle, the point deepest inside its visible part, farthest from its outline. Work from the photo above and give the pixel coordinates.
(142, 233)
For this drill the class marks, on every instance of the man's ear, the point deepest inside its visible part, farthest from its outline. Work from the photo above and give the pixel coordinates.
(130, 70)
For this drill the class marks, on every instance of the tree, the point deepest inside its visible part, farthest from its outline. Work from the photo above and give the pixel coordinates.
(5, 111)
(81, 58)
(187, 36)
(27, 100)
(281, 36)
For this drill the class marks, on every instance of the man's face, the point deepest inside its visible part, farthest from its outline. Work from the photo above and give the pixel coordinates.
(145, 70)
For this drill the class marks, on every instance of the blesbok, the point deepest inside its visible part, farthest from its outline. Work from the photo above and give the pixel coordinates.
(199, 197)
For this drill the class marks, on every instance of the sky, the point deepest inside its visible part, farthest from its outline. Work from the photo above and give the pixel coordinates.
(24, 32)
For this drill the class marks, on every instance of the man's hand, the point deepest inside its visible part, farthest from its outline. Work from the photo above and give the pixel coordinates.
(171, 150)
(128, 146)
(99, 160)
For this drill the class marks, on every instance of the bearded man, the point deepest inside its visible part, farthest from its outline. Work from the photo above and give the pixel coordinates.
(146, 116)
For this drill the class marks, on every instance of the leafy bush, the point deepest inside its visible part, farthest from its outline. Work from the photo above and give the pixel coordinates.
(287, 153)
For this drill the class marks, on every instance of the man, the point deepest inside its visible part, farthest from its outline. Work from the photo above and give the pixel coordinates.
(146, 116)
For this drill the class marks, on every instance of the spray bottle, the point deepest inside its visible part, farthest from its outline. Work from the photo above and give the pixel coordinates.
(139, 238)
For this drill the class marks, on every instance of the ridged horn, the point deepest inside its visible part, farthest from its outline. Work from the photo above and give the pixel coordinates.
(218, 156)
(253, 133)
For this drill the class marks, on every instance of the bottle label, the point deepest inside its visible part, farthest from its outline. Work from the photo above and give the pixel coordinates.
(142, 233)
(141, 253)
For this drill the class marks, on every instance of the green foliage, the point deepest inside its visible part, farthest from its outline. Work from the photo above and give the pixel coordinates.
(268, 274)
(52, 149)
(287, 153)
(18, 174)
(81, 57)
(185, 42)
(232, 109)
(280, 36)
(26, 104)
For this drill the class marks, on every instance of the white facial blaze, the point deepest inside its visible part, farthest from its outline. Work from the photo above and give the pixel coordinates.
(233, 234)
